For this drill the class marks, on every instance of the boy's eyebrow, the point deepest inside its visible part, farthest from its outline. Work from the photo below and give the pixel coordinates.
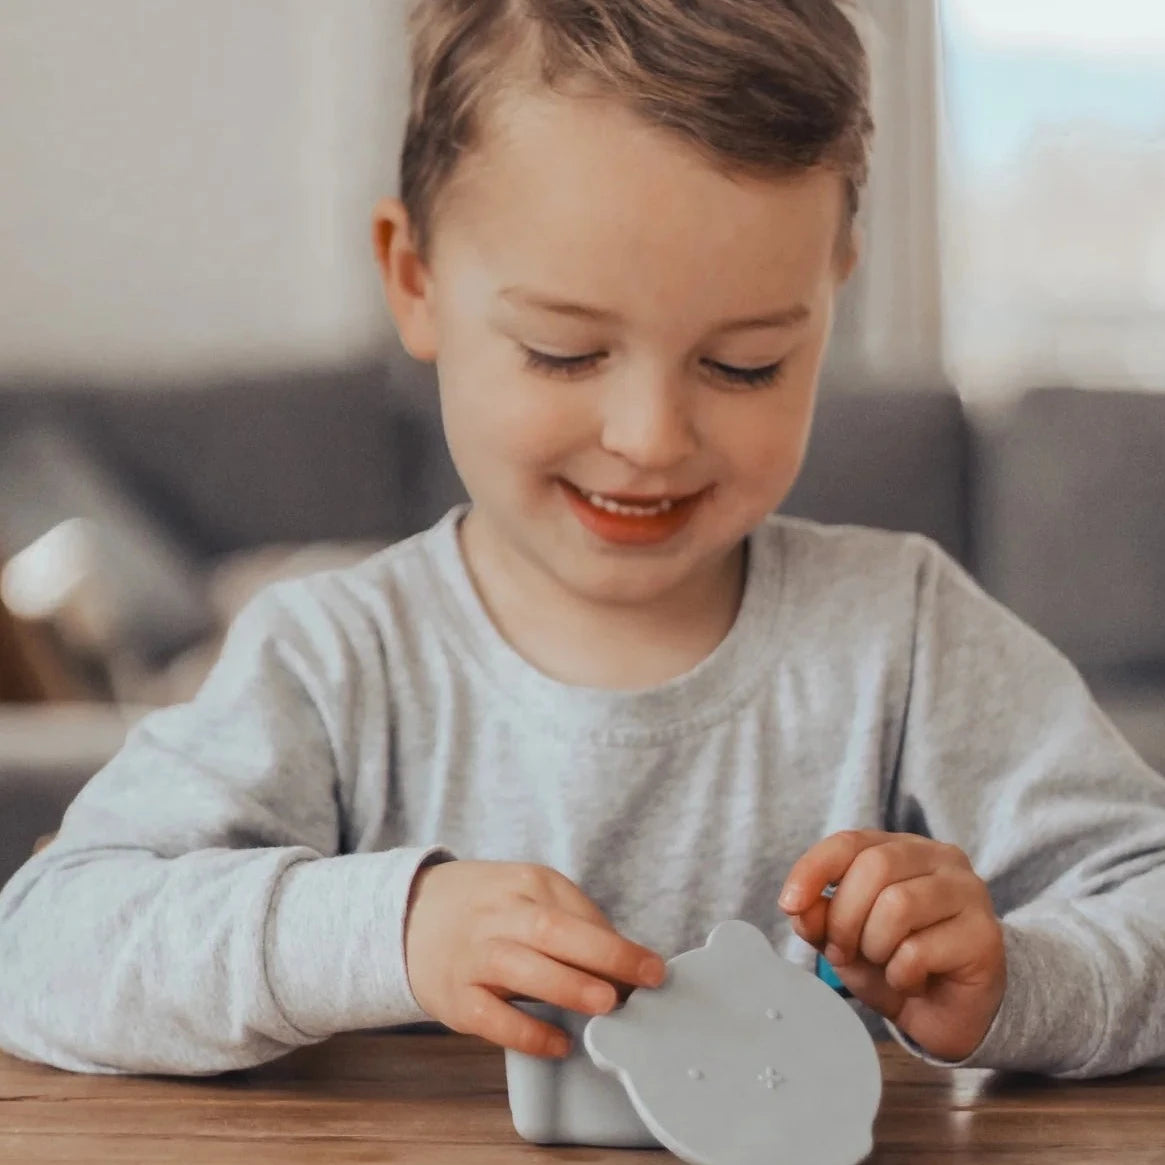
(785, 318)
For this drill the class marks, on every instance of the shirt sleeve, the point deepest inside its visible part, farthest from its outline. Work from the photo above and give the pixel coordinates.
(1006, 755)
(195, 913)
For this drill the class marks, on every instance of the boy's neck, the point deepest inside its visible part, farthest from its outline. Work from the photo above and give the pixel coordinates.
(601, 645)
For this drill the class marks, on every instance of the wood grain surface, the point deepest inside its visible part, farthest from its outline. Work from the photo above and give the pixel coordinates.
(428, 1099)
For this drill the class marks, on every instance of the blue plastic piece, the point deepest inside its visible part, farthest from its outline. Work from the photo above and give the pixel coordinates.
(828, 976)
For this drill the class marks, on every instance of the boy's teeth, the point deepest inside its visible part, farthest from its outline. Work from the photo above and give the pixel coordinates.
(613, 507)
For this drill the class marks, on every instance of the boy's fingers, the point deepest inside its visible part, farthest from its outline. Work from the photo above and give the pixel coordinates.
(567, 895)
(587, 946)
(574, 901)
(521, 971)
(487, 1016)
(943, 949)
(825, 863)
(907, 977)
(810, 924)
(868, 984)
(906, 907)
(876, 871)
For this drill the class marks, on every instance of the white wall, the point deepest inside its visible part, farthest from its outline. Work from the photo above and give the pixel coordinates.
(889, 328)
(186, 187)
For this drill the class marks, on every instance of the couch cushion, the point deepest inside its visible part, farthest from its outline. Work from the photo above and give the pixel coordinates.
(895, 459)
(1071, 522)
(240, 462)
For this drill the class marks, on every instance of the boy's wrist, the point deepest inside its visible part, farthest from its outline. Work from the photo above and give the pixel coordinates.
(1031, 1031)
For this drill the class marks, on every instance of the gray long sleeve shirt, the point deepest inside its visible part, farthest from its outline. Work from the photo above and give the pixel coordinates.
(233, 884)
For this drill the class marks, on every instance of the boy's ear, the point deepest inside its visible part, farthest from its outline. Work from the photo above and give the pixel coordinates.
(405, 279)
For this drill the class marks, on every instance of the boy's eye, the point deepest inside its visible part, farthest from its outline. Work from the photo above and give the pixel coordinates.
(565, 366)
(748, 377)
(568, 366)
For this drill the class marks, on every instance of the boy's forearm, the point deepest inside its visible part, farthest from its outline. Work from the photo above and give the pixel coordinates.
(120, 961)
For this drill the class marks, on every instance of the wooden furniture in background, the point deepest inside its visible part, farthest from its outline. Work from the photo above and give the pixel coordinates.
(31, 671)
(441, 1100)
(20, 681)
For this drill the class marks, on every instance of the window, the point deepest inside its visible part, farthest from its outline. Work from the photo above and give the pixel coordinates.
(1053, 239)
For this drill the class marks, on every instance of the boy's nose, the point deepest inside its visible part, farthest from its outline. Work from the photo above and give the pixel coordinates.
(649, 424)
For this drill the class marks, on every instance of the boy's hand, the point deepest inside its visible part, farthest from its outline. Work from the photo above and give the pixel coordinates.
(910, 930)
(479, 933)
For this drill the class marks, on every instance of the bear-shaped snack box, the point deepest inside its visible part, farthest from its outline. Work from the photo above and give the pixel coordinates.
(740, 1058)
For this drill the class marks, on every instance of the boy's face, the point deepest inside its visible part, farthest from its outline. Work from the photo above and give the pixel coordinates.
(611, 316)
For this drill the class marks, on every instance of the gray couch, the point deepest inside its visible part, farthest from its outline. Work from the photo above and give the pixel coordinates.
(1057, 505)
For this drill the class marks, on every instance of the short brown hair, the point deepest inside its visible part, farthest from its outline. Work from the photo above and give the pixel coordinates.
(765, 86)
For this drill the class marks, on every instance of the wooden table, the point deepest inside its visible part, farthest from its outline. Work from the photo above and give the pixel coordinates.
(424, 1099)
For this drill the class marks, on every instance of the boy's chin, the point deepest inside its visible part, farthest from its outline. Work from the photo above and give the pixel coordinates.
(628, 581)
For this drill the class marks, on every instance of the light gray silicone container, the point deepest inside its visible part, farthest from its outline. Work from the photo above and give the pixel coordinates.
(570, 1102)
(740, 1058)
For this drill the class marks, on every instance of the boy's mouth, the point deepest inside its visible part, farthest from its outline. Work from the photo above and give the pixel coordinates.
(631, 519)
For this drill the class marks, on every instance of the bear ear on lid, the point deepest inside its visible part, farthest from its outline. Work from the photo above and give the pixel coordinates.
(608, 1042)
(740, 939)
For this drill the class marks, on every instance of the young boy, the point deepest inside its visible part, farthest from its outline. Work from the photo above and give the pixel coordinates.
(557, 738)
